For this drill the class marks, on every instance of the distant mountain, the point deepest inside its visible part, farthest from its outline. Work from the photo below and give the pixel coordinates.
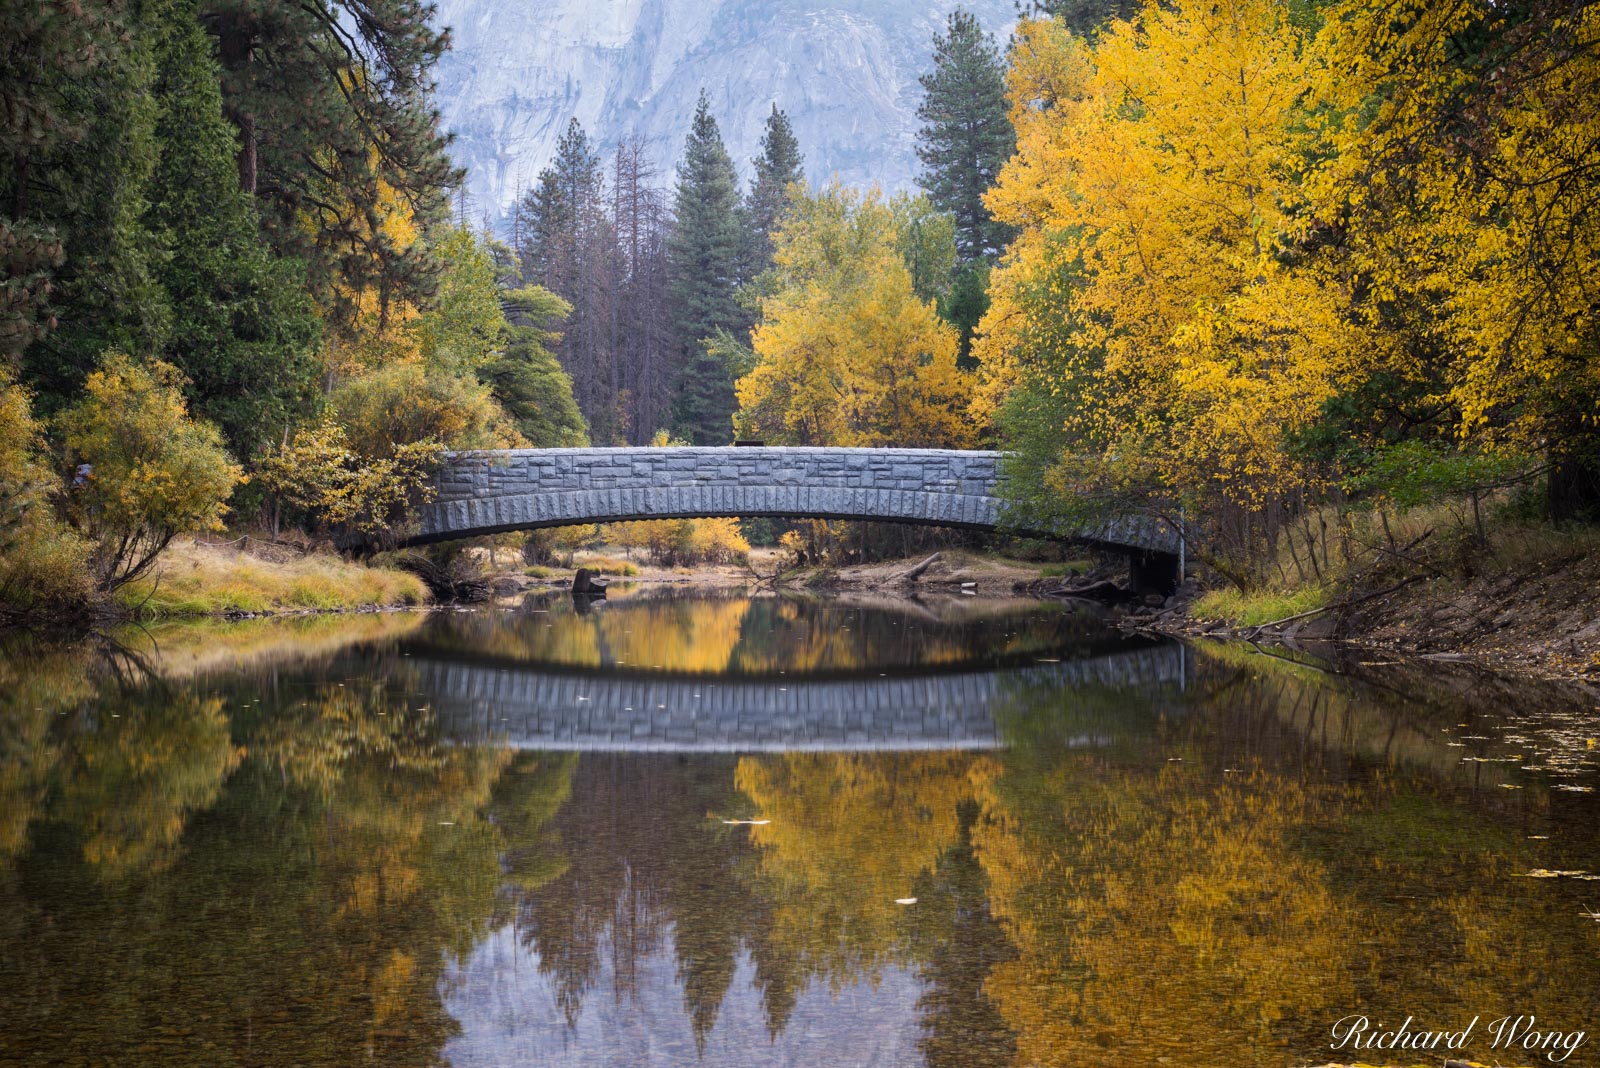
(845, 71)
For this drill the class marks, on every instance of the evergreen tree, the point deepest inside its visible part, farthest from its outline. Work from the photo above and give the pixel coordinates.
(527, 379)
(1083, 17)
(778, 167)
(966, 135)
(242, 327)
(331, 104)
(704, 251)
(76, 149)
(568, 248)
(555, 212)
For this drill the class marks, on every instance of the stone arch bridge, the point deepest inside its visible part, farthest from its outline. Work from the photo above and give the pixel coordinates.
(490, 491)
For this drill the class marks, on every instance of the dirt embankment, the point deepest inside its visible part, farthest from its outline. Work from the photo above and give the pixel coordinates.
(1543, 617)
(1534, 617)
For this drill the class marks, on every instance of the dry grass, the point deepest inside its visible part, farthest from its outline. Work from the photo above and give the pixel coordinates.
(200, 580)
(1258, 606)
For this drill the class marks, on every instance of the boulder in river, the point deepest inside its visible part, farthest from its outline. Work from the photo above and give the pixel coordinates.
(584, 584)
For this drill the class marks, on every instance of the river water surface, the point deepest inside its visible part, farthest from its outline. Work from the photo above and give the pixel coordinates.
(780, 831)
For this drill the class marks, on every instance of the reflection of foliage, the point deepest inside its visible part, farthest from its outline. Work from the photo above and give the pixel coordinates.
(758, 636)
(849, 834)
(131, 781)
(317, 899)
(37, 685)
(960, 944)
(124, 772)
(1083, 897)
(628, 876)
(528, 796)
(1105, 879)
(1275, 843)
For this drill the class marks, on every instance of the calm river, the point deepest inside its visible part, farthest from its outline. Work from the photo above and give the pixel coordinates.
(709, 831)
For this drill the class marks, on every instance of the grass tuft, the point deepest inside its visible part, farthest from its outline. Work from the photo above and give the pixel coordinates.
(1066, 568)
(1258, 606)
(608, 565)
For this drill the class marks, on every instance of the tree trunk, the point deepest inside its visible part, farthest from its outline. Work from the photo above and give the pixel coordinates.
(235, 42)
(1573, 490)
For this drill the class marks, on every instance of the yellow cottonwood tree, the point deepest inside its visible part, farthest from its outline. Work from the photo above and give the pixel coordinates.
(1463, 158)
(846, 353)
(1160, 279)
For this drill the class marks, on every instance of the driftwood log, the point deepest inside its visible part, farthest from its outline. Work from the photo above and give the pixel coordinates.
(915, 572)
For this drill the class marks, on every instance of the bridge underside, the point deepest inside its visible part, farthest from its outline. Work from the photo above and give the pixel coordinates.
(531, 511)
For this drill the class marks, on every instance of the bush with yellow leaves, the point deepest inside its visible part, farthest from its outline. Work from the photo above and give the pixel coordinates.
(43, 562)
(349, 493)
(155, 471)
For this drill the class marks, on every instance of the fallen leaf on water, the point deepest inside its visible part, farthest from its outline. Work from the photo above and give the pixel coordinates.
(1546, 873)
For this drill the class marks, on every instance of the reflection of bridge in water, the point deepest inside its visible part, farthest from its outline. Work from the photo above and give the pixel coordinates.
(536, 707)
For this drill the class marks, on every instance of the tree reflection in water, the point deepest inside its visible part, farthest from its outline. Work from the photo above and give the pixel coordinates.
(289, 864)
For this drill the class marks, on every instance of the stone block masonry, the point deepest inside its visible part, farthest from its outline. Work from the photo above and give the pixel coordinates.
(490, 491)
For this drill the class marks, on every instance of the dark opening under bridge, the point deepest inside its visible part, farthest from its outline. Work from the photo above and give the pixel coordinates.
(491, 491)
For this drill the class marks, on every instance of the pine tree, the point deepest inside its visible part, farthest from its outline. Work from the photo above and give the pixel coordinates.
(332, 109)
(76, 150)
(569, 248)
(242, 327)
(778, 167)
(704, 251)
(1083, 17)
(558, 210)
(966, 135)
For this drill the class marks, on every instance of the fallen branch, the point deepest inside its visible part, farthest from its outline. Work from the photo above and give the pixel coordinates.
(916, 572)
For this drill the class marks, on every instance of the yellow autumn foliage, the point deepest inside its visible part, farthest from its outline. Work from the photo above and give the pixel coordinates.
(157, 472)
(1471, 189)
(1152, 190)
(845, 353)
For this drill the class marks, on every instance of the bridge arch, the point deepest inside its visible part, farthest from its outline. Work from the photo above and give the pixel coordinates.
(491, 491)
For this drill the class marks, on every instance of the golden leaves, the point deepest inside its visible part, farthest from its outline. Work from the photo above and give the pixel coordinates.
(1155, 185)
(846, 354)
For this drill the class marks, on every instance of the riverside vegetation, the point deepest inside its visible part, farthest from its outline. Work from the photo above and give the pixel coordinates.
(1312, 282)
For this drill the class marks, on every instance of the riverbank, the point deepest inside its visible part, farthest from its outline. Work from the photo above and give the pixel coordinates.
(199, 580)
(1524, 602)
(955, 571)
